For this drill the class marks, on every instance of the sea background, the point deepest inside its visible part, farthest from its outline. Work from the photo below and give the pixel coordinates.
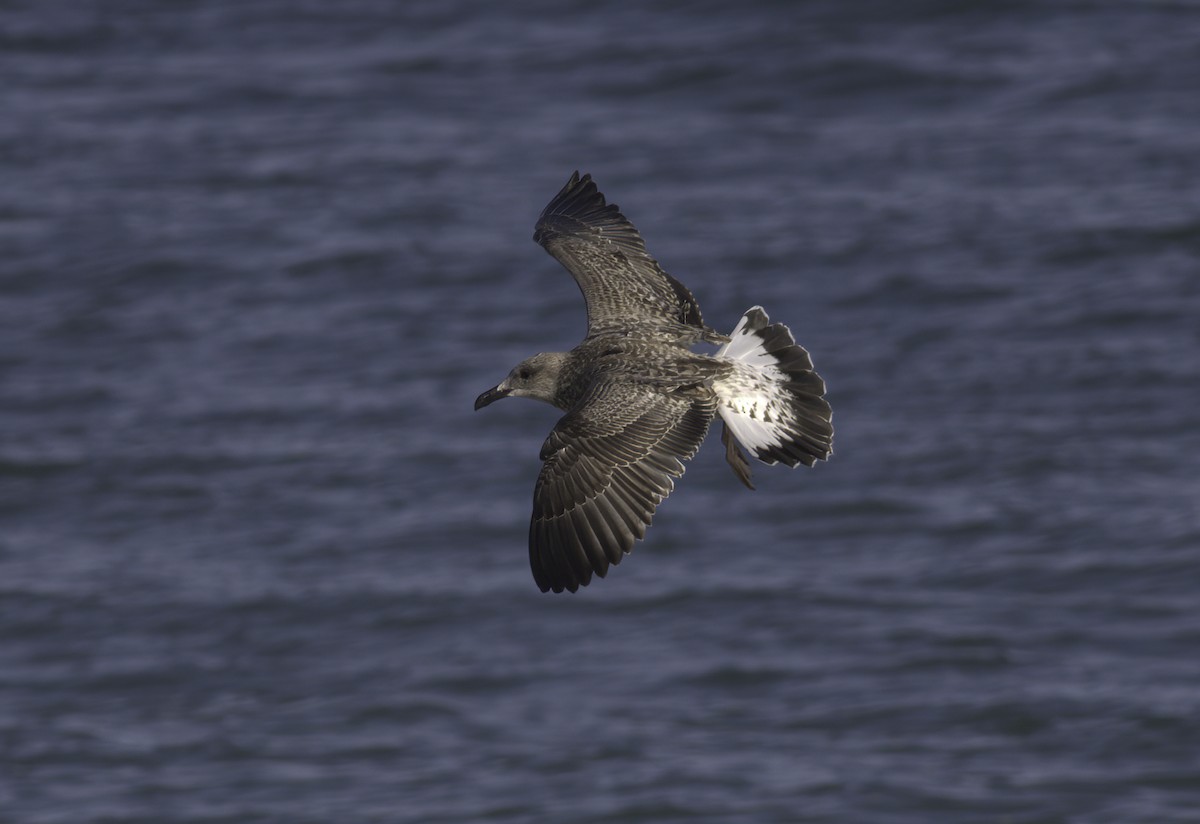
(261, 562)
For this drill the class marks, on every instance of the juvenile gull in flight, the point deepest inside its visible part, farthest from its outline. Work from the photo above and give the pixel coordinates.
(638, 401)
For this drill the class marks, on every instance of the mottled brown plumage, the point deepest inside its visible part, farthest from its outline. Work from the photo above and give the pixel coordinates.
(638, 402)
(625, 289)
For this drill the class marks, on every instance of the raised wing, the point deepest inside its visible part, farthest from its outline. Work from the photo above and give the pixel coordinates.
(609, 463)
(622, 284)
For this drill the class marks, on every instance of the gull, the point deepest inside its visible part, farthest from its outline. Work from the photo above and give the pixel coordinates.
(639, 401)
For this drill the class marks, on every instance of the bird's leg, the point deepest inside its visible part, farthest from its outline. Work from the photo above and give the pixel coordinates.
(733, 454)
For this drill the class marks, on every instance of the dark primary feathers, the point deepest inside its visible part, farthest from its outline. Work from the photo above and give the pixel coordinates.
(622, 284)
(608, 463)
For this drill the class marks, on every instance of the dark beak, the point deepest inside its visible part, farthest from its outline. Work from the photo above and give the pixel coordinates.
(490, 396)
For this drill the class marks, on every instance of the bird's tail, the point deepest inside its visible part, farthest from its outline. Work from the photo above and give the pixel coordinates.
(772, 401)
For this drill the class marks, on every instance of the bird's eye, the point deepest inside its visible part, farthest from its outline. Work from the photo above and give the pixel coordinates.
(523, 374)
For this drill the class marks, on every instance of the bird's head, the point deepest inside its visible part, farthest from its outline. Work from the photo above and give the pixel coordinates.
(535, 377)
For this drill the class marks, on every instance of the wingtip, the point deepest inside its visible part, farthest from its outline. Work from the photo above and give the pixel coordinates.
(578, 200)
(582, 185)
(578, 186)
(575, 181)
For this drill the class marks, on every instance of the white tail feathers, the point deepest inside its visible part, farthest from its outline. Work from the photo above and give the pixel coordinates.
(772, 401)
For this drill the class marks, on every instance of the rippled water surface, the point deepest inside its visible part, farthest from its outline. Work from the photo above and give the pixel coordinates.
(260, 561)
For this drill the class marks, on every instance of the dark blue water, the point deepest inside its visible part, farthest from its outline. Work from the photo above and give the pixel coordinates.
(260, 562)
